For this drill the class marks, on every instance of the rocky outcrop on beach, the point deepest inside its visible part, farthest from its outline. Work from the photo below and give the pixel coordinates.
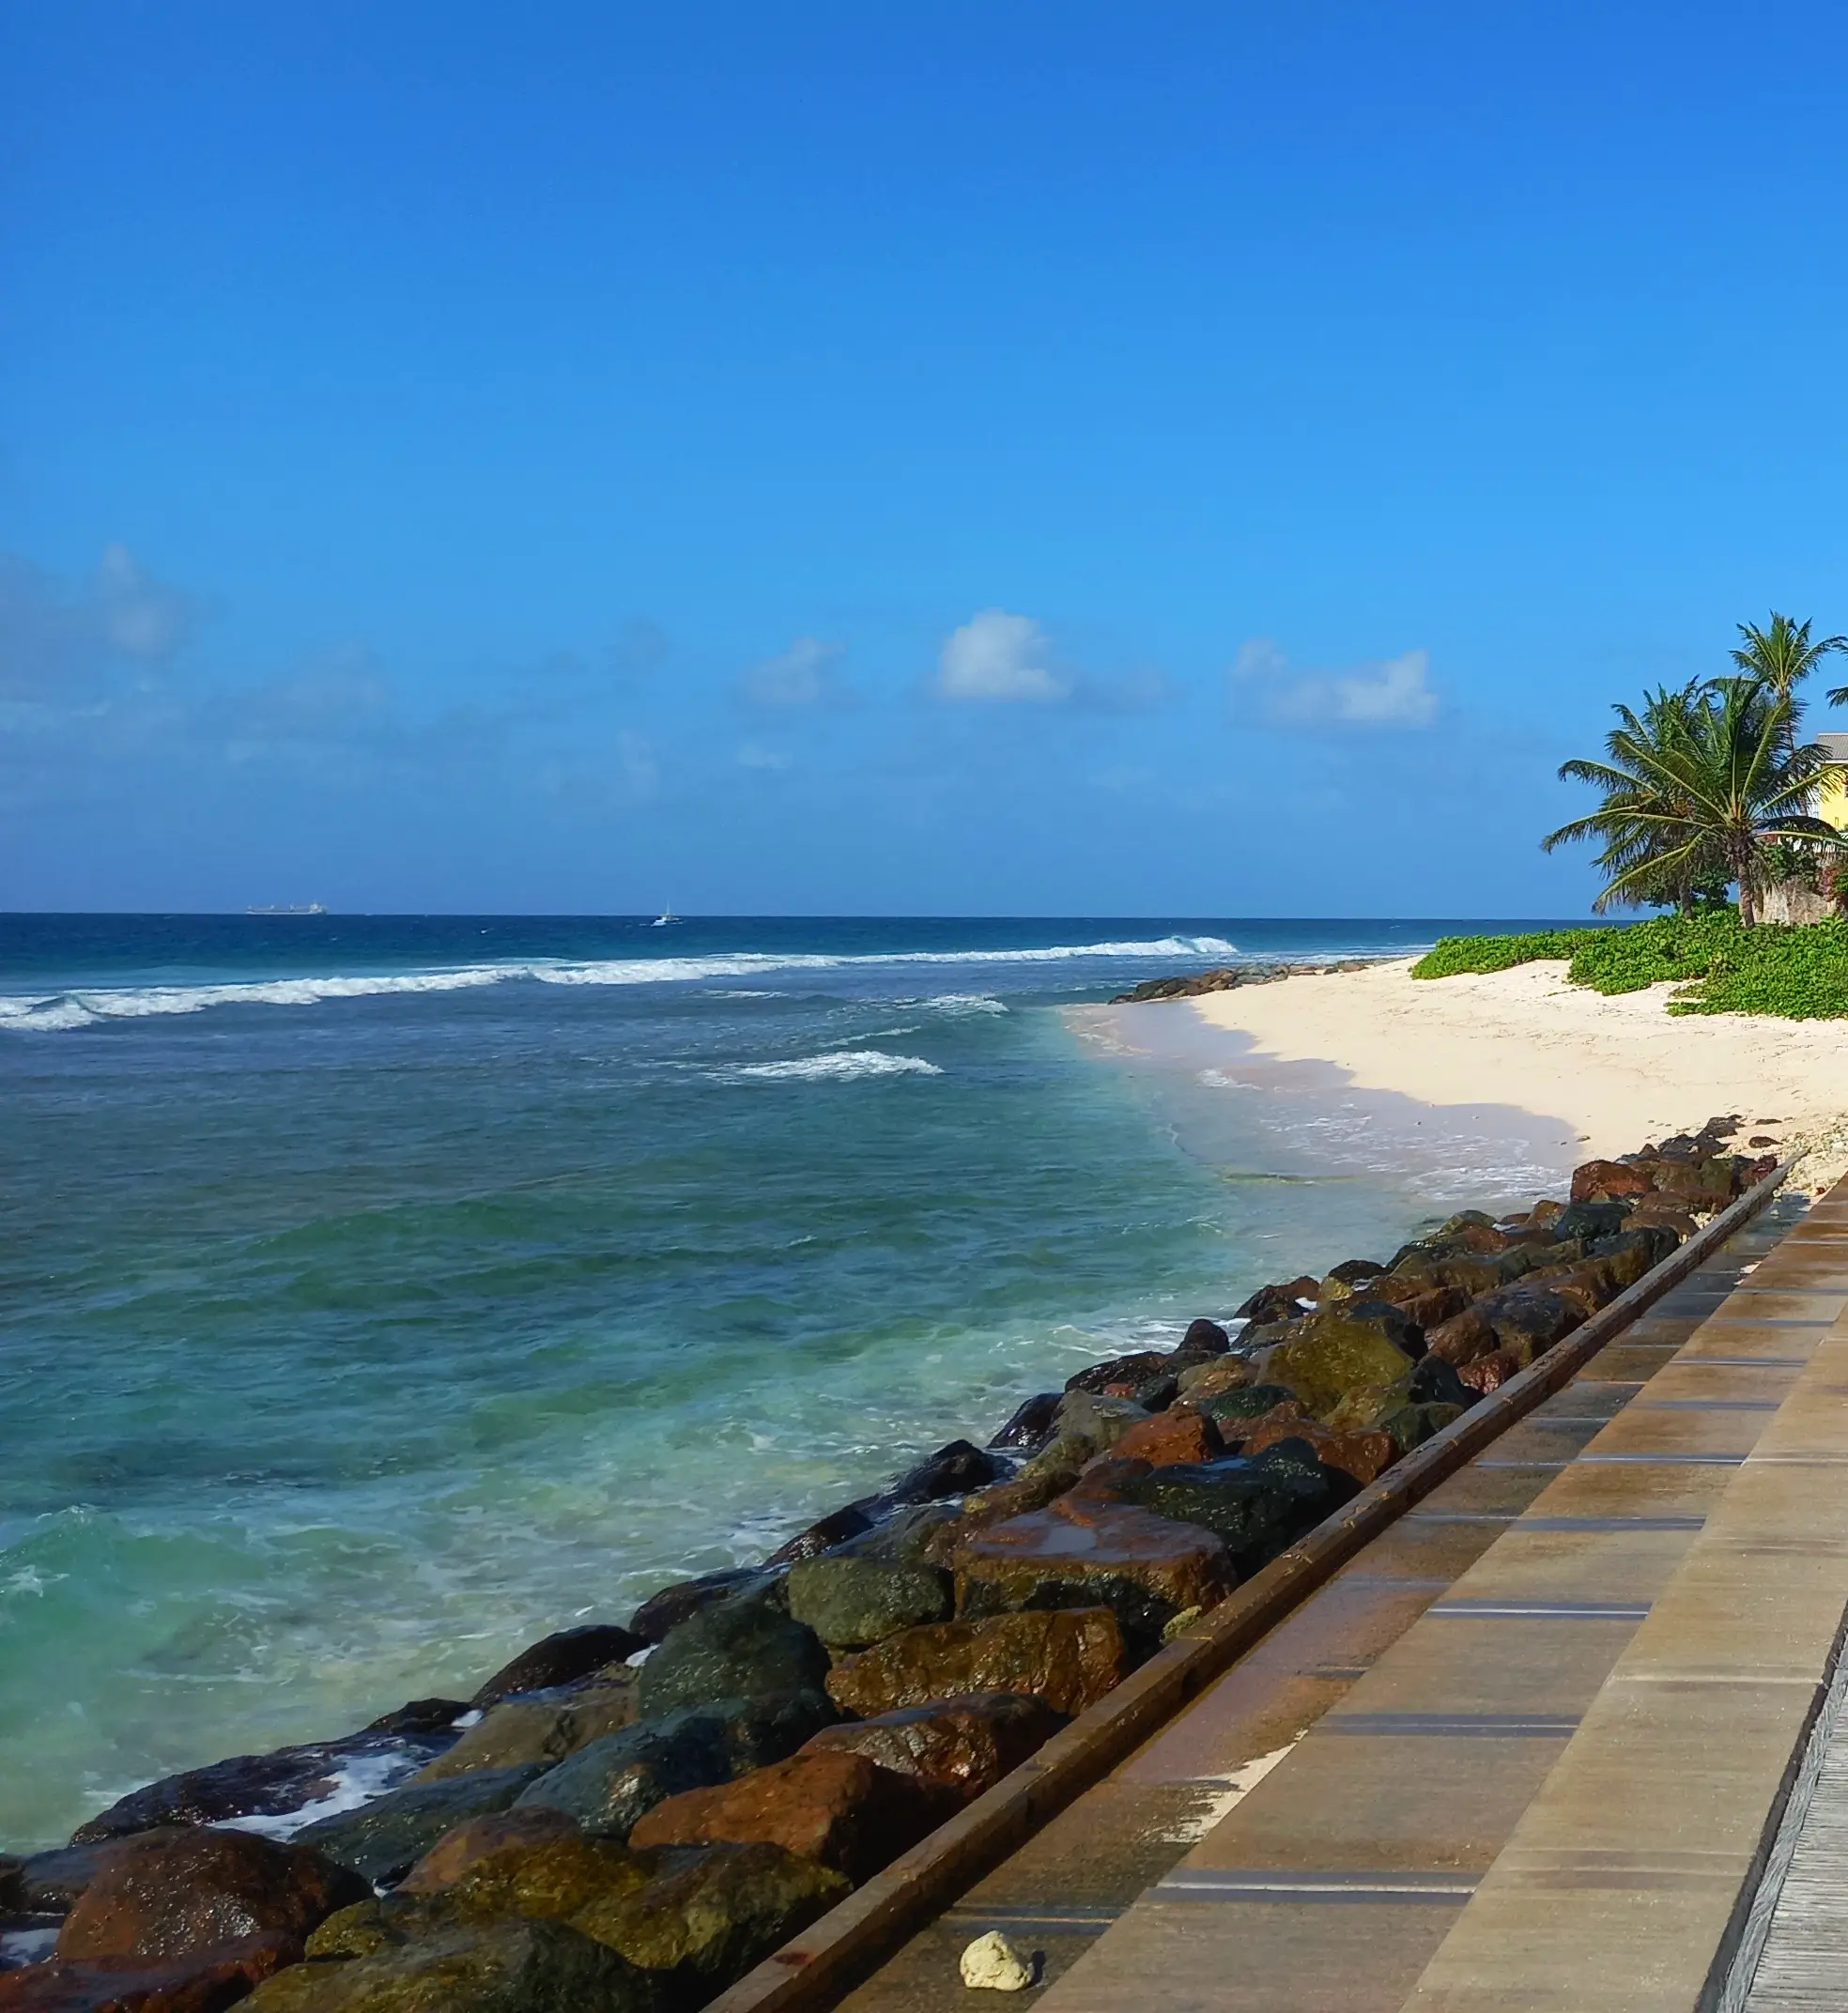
(1223, 978)
(627, 1817)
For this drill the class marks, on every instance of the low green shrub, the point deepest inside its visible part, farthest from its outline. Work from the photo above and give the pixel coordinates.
(1796, 974)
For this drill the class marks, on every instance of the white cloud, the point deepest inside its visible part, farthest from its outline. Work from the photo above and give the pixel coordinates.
(755, 755)
(803, 675)
(996, 659)
(1392, 692)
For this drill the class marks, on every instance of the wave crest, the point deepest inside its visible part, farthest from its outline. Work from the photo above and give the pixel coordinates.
(87, 1006)
(848, 1065)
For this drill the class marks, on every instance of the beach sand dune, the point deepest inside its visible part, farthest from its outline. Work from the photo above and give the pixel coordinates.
(1618, 1071)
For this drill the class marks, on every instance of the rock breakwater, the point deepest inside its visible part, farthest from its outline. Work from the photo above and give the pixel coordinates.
(627, 1817)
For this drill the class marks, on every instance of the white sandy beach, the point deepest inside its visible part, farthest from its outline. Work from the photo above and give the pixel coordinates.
(1617, 1070)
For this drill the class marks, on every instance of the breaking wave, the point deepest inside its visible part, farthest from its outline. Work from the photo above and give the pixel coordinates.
(843, 1067)
(58, 1013)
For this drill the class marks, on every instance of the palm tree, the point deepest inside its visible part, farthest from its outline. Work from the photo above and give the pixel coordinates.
(1705, 778)
(1783, 654)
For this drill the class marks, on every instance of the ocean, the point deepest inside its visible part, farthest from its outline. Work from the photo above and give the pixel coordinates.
(380, 1293)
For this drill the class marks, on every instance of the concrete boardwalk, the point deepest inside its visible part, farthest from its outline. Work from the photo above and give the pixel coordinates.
(1528, 1749)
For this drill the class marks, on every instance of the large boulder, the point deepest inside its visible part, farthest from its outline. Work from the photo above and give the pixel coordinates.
(685, 1598)
(736, 1649)
(607, 1785)
(561, 1658)
(177, 1893)
(1609, 1180)
(1178, 1435)
(841, 1809)
(479, 1839)
(1462, 1338)
(1030, 1423)
(1146, 1569)
(1527, 1319)
(1097, 1421)
(851, 1601)
(1363, 1455)
(203, 1983)
(385, 1839)
(539, 1727)
(1228, 1409)
(1255, 1505)
(694, 1921)
(516, 1966)
(1213, 1378)
(1338, 1350)
(703, 1925)
(1068, 1657)
(955, 1747)
(751, 1732)
(285, 1779)
(48, 1883)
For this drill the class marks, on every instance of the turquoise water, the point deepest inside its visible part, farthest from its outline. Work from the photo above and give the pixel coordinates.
(378, 1294)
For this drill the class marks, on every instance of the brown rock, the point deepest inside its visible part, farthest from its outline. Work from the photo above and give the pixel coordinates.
(1489, 1373)
(960, 1748)
(469, 1845)
(1144, 1568)
(1434, 1306)
(1364, 1455)
(1200, 1381)
(1069, 1657)
(1462, 1338)
(1172, 1436)
(175, 1894)
(1609, 1181)
(206, 1982)
(838, 1808)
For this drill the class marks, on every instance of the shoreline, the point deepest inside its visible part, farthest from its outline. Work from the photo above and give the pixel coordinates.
(796, 1725)
(1607, 1071)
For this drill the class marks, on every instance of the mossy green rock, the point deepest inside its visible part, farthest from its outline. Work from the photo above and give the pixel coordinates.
(849, 1603)
(753, 1732)
(1336, 1352)
(501, 1967)
(709, 1922)
(384, 1838)
(741, 1649)
(542, 1726)
(613, 1782)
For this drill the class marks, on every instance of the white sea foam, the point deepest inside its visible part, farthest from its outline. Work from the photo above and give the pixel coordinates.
(355, 1782)
(842, 1066)
(55, 1013)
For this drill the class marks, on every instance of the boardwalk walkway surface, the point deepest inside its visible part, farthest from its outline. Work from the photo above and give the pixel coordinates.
(1531, 1748)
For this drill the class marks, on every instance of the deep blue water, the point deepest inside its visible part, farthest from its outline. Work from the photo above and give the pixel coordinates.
(377, 1293)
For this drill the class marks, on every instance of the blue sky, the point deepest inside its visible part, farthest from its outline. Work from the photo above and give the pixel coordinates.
(1011, 457)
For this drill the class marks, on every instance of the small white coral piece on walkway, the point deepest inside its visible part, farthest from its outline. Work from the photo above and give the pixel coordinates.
(991, 1962)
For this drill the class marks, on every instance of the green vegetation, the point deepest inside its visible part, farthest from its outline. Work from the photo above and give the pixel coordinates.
(1702, 783)
(1797, 973)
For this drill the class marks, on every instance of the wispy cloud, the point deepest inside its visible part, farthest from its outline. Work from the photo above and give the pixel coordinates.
(64, 645)
(805, 674)
(996, 658)
(1390, 693)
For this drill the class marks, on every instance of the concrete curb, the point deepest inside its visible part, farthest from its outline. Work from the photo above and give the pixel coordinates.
(814, 1969)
